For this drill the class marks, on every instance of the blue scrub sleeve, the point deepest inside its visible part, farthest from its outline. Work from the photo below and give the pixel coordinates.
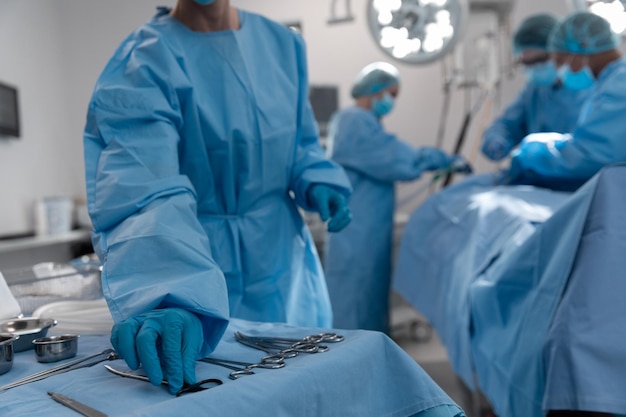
(155, 251)
(311, 164)
(361, 144)
(511, 126)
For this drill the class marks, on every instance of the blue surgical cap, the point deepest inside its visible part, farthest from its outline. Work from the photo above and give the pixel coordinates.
(374, 78)
(534, 32)
(583, 33)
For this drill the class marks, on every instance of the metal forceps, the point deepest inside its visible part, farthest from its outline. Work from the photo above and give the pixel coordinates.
(276, 353)
(198, 386)
(105, 355)
(243, 368)
(311, 339)
(286, 348)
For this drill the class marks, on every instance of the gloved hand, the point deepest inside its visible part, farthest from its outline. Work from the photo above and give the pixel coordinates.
(330, 204)
(429, 158)
(532, 152)
(516, 169)
(495, 147)
(461, 165)
(171, 336)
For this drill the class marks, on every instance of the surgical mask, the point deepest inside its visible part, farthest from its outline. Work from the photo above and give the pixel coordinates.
(576, 81)
(542, 74)
(382, 106)
(204, 2)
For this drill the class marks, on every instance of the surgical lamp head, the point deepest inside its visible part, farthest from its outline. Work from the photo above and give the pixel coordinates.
(375, 78)
(534, 32)
(583, 33)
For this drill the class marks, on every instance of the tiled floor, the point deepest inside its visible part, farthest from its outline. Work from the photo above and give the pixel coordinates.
(410, 331)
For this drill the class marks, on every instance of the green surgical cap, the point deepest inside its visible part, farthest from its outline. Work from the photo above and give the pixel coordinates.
(374, 78)
(534, 32)
(583, 33)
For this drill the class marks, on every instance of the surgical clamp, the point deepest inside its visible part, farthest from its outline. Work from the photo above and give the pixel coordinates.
(243, 368)
(285, 348)
(105, 355)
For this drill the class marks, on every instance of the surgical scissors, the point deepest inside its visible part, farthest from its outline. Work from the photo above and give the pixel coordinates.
(243, 368)
(198, 386)
(105, 355)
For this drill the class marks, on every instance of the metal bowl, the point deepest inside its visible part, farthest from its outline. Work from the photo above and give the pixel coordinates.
(28, 329)
(6, 352)
(55, 348)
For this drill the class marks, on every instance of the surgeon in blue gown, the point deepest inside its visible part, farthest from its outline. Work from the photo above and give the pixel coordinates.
(544, 105)
(200, 145)
(585, 51)
(358, 259)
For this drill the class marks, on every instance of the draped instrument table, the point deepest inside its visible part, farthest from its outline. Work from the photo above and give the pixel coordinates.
(367, 374)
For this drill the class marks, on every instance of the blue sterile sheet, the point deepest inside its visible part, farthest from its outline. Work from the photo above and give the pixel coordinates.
(524, 286)
(367, 374)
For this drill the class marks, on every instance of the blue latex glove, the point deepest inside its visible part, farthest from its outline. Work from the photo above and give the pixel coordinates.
(461, 165)
(330, 204)
(534, 153)
(171, 336)
(515, 172)
(495, 147)
(428, 158)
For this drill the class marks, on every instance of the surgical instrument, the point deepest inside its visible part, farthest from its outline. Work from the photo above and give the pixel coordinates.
(285, 348)
(105, 355)
(198, 386)
(76, 405)
(315, 338)
(277, 352)
(243, 368)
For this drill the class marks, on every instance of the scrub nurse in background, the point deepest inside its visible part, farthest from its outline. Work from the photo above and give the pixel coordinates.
(544, 105)
(358, 260)
(200, 145)
(585, 51)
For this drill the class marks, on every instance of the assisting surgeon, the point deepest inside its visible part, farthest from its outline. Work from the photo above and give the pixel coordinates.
(585, 51)
(544, 105)
(358, 260)
(200, 145)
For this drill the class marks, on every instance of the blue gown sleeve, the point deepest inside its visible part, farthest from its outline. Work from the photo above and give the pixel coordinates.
(311, 164)
(512, 124)
(597, 140)
(361, 144)
(155, 251)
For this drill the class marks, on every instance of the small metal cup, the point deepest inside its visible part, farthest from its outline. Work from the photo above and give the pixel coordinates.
(6, 352)
(55, 348)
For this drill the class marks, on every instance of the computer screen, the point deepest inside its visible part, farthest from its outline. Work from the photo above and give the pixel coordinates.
(9, 111)
(325, 101)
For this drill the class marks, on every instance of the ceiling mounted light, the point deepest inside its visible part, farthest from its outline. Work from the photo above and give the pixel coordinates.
(614, 11)
(417, 31)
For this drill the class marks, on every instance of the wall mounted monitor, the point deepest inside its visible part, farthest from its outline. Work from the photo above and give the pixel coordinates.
(9, 111)
(325, 101)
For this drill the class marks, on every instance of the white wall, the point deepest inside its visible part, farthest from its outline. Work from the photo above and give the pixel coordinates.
(31, 58)
(54, 51)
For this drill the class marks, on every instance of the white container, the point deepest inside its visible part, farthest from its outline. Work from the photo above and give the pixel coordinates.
(53, 215)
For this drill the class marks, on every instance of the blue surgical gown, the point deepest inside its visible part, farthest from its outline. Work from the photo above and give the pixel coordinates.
(358, 259)
(538, 109)
(566, 161)
(199, 148)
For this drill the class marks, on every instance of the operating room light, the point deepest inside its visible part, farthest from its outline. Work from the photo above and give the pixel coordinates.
(416, 31)
(614, 11)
